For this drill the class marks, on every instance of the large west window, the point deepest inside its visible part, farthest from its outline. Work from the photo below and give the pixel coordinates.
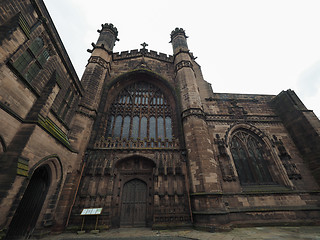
(247, 151)
(140, 111)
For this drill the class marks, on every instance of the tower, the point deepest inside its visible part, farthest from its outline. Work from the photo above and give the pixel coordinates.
(203, 166)
(97, 70)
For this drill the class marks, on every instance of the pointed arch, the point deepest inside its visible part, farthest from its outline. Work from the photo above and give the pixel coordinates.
(26, 215)
(248, 153)
(140, 105)
(253, 156)
(161, 96)
(151, 163)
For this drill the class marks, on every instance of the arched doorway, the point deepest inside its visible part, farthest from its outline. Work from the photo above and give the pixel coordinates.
(134, 204)
(27, 213)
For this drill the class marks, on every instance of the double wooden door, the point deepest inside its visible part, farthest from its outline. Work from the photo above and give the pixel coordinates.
(134, 204)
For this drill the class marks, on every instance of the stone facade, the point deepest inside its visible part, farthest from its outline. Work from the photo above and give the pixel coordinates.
(143, 137)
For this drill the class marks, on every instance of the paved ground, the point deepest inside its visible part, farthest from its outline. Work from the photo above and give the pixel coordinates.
(266, 233)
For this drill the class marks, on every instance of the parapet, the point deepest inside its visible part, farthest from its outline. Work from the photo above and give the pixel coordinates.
(110, 27)
(142, 52)
(177, 31)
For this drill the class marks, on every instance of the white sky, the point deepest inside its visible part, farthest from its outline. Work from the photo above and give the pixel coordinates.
(247, 46)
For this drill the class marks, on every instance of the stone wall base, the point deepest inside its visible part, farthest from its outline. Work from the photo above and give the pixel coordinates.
(226, 221)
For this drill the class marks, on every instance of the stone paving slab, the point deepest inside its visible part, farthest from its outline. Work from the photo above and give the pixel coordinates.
(255, 233)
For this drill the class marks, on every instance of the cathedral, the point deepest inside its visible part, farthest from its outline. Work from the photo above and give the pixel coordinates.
(142, 140)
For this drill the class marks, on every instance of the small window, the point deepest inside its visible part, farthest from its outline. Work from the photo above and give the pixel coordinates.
(32, 72)
(36, 46)
(66, 104)
(43, 57)
(23, 61)
(30, 63)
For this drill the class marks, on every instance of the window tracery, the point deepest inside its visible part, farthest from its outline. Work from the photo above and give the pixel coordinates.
(248, 154)
(140, 111)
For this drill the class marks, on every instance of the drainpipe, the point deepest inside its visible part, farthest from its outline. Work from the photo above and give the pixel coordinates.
(75, 194)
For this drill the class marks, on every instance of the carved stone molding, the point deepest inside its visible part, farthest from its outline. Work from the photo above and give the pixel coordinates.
(236, 111)
(90, 113)
(247, 118)
(193, 112)
(227, 170)
(103, 63)
(182, 64)
(238, 100)
(291, 168)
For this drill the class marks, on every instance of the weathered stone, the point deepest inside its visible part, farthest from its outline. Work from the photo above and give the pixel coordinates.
(143, 137)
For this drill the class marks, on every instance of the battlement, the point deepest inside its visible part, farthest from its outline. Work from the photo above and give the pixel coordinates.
(110, 27)
(178, 31)
(142, 52)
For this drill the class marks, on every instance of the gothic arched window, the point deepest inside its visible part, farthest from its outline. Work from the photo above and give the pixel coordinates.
(247, 151)
(30, 62)
(142, 111)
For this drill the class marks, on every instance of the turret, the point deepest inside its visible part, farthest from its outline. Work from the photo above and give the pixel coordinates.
(96, 72)
(98, 65)
(184, 71)
(108, 36)
(197, 139)
(179, 40)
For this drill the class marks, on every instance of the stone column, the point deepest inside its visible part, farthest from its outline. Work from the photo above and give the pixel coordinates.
(202, 164)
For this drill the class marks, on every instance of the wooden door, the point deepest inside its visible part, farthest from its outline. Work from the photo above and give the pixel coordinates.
(134, 204)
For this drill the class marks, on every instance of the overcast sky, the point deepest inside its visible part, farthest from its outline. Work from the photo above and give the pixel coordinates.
(247, 46)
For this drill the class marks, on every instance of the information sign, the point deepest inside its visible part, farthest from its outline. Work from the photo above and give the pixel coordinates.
(91, 211)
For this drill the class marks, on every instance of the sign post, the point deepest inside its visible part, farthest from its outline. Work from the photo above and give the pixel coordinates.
(90, 211)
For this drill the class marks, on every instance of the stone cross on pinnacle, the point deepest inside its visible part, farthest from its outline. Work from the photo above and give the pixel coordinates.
(144, 44)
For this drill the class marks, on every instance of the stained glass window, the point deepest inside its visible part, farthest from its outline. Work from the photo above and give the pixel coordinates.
(141, 111)
(126, 127)
(117, 126)
(248, 154)
(152, 129)
(160, 125)
(168, 128)
(135, 127)
(143, 128)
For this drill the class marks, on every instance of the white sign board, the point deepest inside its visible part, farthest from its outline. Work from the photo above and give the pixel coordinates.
(91, 211)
